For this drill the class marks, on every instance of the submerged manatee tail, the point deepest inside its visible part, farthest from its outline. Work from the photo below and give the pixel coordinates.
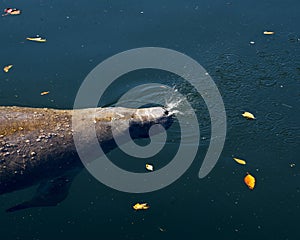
(49, 193)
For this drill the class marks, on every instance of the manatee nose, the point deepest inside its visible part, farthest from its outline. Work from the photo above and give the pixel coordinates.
(161, 112)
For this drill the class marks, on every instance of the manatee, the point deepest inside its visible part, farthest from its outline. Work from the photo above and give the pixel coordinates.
(37, 145)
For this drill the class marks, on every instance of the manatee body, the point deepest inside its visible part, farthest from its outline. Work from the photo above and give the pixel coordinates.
(37, 145)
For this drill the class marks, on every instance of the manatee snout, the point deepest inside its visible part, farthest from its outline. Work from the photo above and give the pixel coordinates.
(146, 118)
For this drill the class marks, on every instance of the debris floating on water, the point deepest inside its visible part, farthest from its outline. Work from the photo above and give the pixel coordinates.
(269, 32)
(141, 206)
(36, 39)
(149, 167)
(240, 161)
(44, 93)
(7, 68)
(11, 11)
(250, 181)
(292, 165)
(248, 115)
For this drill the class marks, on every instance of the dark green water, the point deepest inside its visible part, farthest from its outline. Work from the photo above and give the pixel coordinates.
(263, 78)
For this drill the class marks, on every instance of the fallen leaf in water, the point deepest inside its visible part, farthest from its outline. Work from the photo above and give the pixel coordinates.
(268, 33)
(250, 181)
(11, 11)
(44, 93)
(141, 206)
(248, 115)
(7, 68)
(149, 167)
(36, 39)
(240, 161)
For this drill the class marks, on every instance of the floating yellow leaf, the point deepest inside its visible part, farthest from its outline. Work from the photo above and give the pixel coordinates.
(250, 181)
(269, 32)
(248, 115)
(149, 167)
(240, 161)
(36, 39)
(141, 206)
(44, 93)
(7, 68)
